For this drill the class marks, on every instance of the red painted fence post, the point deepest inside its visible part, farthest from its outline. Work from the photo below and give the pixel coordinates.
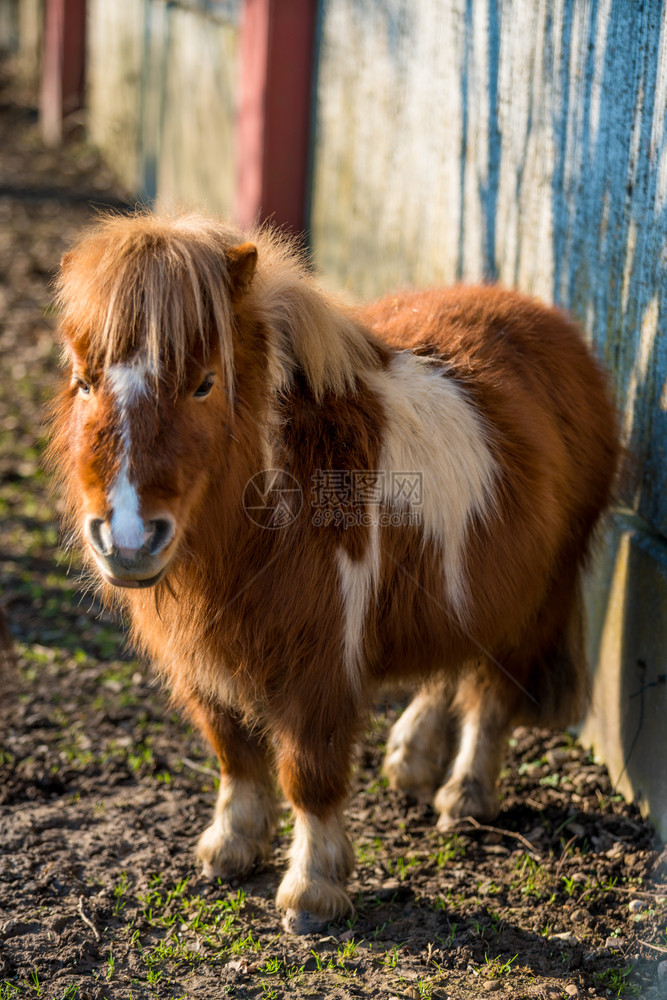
(276, 64)
(62, 65)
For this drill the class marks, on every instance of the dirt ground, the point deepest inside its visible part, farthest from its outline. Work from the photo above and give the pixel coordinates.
(103, 790)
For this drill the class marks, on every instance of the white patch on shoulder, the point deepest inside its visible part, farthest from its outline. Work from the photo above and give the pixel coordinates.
(434, 430)
(127, 383)
(358, 582)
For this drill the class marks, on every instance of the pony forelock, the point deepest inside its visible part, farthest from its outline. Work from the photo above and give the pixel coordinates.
(149, 285)
(159, 286)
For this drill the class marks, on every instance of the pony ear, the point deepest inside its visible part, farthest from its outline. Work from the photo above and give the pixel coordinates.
(241, 263)
(65, 261)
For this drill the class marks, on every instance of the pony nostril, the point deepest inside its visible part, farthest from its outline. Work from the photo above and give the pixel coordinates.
(122, 547)
(161, 532)
(99, 535)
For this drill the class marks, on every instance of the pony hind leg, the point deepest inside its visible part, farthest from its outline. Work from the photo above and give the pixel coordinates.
(246, 811)
(422, 741)
(554, 692)
(485, 718)
(558, 678)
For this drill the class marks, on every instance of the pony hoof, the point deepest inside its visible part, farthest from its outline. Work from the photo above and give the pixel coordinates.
(303, 922)
(210, 872)
(227, 857)
(228, 869)
(446, 822)
(459, 799)
(411, 773)
(422, 794)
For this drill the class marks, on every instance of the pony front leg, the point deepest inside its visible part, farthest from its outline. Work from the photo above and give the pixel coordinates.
(239, 838)
(314, 774)
(246, 809)
(321, 860)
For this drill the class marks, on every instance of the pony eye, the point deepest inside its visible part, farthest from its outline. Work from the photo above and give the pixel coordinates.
(82, 386)
(205, 387)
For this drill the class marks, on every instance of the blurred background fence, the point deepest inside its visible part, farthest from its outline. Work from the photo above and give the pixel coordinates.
(522, 141)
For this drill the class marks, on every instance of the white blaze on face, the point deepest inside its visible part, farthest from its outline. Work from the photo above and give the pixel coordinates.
(127, 383)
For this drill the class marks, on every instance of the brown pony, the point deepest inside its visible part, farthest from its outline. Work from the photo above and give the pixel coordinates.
(294, 500)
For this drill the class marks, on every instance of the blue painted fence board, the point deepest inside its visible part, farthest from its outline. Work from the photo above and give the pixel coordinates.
(525, 141)
(514, 140)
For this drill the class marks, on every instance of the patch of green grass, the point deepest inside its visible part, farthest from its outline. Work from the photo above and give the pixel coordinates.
(530, 877)
(295, 973)
(271, 966)
(33, 984)
(367, 851)
(390, 958)
(141, 757)
(247, 943)
(616, 981)
(111, 961)
(400, 867)
(320, 965)
(348, 950)
(450, 901)
(495, 968)
(424, 985)
(452, 849)
(569, 885)
(286, 823)
(120, 889)
(379, 784)
(274, 966)
(190, 929)
(448, 942)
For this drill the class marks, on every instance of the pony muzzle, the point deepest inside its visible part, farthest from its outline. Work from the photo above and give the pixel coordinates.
(131, 565)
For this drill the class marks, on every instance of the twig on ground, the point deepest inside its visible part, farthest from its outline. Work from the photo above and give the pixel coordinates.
(194, 766)
(641, 893)
(655, 947)
(87, 921)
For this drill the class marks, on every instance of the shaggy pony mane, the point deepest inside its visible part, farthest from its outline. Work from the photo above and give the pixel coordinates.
(161, 285)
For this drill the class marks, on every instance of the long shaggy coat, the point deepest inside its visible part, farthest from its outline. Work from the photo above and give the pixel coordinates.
(294, 500)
